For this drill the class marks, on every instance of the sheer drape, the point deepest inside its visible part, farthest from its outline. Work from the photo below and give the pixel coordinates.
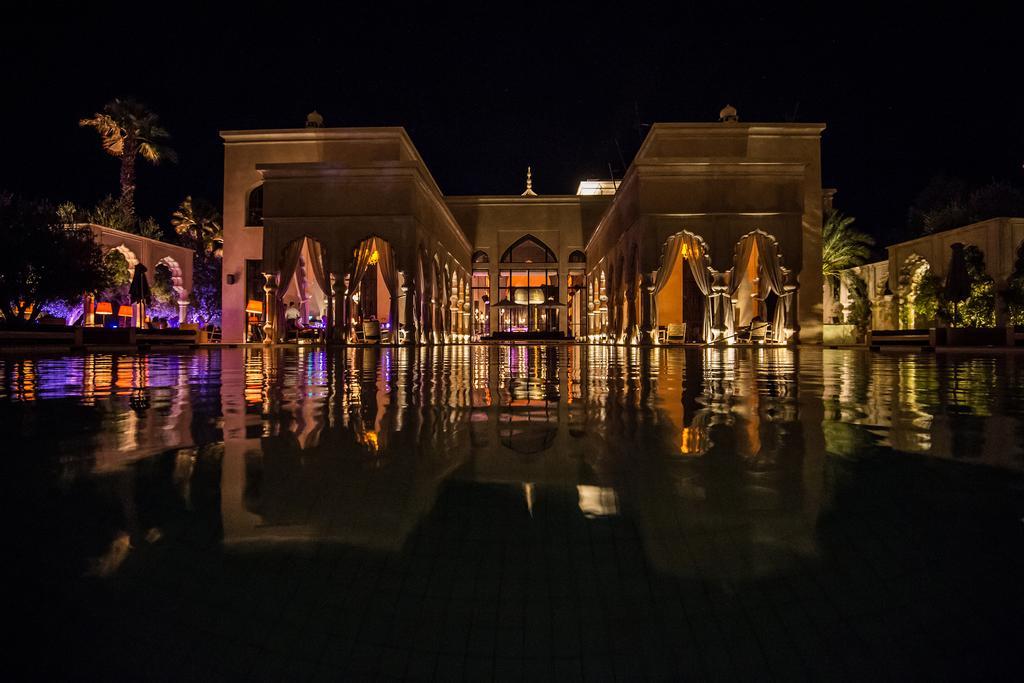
(768, 260)
(702, 276)
(783, 310)
(739, 264)
(772, 278)
(362, 262)
(664, 274)
(289, 264)
(389, 273)
(317, 265)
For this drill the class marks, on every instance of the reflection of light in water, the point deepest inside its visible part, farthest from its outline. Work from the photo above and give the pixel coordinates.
(369, 439)
(528, 495)
(694, 441)
(597, 501)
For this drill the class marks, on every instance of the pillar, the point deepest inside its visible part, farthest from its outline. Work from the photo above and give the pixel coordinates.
(647, 317)
(409, 291)
(182, 312)
(269, 308)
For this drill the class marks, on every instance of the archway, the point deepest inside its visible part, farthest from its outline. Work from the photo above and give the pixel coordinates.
(374, 293)
(758, 289)
(528, 287)
(682, 299)
(168, 292)
(303, 297)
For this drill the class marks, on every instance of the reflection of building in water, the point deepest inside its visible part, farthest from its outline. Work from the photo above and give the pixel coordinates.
(353, 445)
(937, 405)
(143, 403)
(718, 456)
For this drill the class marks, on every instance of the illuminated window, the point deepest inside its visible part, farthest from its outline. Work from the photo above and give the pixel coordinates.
(528, 249)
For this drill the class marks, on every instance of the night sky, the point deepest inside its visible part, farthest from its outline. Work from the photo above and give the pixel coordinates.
(483, 95)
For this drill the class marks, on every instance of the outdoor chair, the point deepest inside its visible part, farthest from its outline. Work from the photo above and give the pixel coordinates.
(371, 332)
(759, 333)
(676, 332)
(662, 334)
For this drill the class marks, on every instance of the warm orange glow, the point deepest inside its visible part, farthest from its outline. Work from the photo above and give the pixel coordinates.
(254, 306)
(104, 308)
(124, 311)
(370, 439)
(685, 251)
(694, 441)
(374, 257)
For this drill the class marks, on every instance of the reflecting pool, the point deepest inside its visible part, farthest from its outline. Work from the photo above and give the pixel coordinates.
(520, 512)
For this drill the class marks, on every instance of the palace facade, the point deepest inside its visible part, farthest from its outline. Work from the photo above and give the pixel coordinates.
(713, 226)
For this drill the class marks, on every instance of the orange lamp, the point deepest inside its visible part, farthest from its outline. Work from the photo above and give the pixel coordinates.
(254, 306)
(104, 308)
(124, 311)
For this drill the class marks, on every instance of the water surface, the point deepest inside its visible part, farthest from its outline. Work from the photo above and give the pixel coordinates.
(517, 512)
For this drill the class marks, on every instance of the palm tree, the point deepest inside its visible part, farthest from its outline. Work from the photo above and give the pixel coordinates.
(843, 246)
(200, 225)
(129, 129)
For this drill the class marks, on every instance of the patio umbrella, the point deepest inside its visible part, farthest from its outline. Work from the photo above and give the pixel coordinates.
(957, 287)
(139, 292)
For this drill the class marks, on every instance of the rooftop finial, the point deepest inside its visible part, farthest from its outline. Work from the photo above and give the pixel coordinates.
(314, 120)
(529, 184)
(728, 114)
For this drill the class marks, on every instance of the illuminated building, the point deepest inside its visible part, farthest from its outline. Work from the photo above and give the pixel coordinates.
(712, 226)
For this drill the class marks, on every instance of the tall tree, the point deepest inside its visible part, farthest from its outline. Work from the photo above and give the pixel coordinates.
(43, 260)
(128, 130)
(843, 246)
(198, 223)
(948, 203)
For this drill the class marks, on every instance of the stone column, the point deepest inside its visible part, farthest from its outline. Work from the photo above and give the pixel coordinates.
(88, 310)
(182, 311)
(647, 309)
(630, 332)
(269, 308)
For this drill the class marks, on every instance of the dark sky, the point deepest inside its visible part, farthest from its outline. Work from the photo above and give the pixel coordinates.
(483, 95)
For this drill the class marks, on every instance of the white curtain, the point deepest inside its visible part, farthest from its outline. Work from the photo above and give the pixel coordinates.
(289, 264)
(783, 311)
(701, 271)
(362, 262)
(739, 264)
(664, 273)
(389, 273)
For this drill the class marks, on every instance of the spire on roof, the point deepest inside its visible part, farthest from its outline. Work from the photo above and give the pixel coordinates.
(529, 184)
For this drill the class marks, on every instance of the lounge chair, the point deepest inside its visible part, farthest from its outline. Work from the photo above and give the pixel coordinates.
(676, 332)
(759, 333)
(371, 331)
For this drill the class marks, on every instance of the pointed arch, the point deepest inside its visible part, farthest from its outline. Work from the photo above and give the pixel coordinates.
(528, 249)
(480, 256)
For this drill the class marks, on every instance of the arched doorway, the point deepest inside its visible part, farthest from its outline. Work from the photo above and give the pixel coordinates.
(528, 302)
(374, 293)
(758, 290)
(682, 299)
(304, 296)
